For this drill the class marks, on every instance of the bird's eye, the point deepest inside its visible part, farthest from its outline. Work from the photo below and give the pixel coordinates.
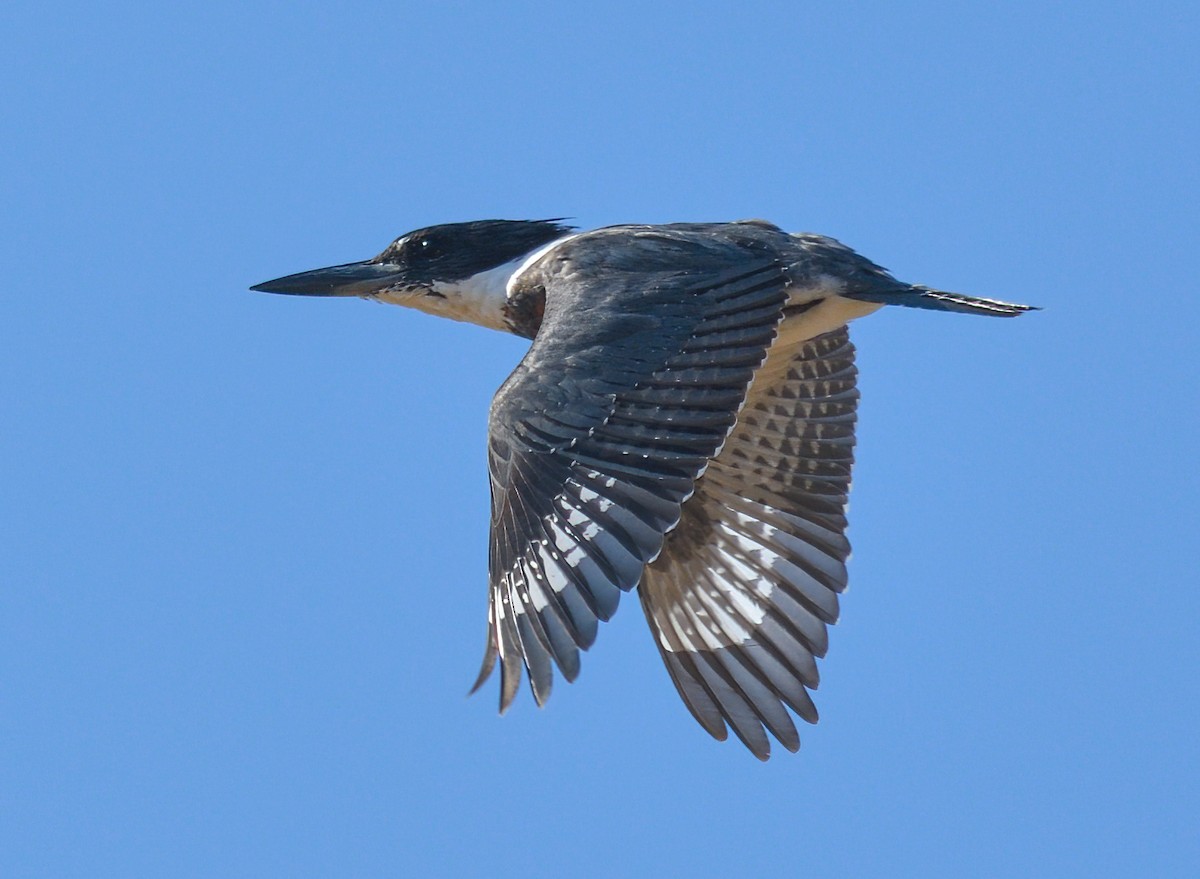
(425, 247)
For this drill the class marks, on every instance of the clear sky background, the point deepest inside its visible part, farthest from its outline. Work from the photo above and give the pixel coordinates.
(243, 551)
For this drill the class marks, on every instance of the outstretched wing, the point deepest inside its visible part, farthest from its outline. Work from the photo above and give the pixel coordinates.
(741, 595)
(631, 386)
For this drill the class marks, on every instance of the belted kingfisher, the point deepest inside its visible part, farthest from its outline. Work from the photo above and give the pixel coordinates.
(682, 424)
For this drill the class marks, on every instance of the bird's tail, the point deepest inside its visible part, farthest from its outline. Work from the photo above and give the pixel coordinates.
(940, 300)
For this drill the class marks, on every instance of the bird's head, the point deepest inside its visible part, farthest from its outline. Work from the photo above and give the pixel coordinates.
(457, 270)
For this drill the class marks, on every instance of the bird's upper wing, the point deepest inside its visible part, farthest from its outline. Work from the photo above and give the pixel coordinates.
(741, 595)
(629, 389)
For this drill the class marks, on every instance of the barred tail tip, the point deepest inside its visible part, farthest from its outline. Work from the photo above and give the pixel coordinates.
(960, 302)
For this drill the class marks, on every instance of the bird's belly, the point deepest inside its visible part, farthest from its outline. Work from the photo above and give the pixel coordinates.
(796, 329)
(828, 314)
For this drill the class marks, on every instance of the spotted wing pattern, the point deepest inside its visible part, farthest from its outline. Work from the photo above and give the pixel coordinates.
(595, 442)
(741, 595)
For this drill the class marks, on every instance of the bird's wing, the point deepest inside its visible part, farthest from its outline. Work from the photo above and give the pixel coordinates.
(596, 439)
(741, 595)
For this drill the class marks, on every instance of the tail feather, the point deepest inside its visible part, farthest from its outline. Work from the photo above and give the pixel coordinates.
(941, 300)
(944, 301)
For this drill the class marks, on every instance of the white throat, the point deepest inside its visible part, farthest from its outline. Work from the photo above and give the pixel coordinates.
(479, 299)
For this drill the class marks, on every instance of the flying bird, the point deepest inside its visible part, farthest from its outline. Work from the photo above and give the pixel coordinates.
(682, 425)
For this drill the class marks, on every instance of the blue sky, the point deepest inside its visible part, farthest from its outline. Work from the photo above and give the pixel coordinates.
(242, 568)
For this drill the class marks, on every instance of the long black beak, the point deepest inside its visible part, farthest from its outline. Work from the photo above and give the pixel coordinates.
(351, 279)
